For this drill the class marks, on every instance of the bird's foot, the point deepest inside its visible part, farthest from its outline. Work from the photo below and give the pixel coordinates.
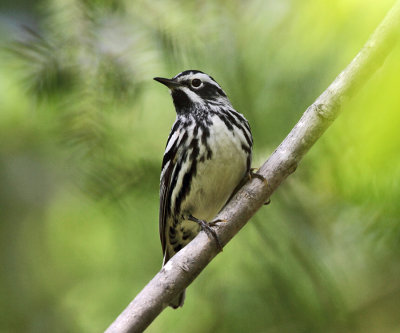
(214, 223)
(204, 225)
(253, 174)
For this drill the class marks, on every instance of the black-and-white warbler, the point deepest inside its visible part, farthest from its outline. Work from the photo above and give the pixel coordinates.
(208, 154)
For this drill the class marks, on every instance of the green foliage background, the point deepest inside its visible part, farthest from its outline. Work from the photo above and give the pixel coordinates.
(82, 132)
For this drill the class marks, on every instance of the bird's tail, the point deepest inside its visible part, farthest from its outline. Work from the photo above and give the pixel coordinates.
(178, 301)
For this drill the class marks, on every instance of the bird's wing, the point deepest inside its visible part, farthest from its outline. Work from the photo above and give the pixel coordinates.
(165, 184)
(168, 166)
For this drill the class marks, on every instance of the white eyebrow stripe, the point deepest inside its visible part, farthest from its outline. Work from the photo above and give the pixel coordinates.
(201, 76)
(205, 78)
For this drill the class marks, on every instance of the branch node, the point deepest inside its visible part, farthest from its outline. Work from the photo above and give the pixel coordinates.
(325, 111)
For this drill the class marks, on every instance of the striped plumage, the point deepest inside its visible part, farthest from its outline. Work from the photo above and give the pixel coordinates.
(208, 153)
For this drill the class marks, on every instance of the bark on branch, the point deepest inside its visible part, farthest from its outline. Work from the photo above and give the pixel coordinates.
(187, 264)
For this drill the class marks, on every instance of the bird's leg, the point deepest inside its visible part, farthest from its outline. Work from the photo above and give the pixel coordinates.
(253, 174)
(214, 223)
(207, 228)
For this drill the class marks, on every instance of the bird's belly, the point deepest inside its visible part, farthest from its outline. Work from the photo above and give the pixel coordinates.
(216, 178)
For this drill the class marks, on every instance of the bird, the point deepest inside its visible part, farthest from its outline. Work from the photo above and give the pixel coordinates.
(207, 156)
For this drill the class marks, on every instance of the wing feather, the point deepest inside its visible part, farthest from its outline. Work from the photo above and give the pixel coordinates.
(168, 166)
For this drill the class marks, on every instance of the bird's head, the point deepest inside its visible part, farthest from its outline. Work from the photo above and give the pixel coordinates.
(192, 88)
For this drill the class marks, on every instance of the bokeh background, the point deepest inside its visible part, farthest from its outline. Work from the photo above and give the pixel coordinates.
(82, 131)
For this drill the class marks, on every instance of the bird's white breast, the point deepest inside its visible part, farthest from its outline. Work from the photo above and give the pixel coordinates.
(216, 178)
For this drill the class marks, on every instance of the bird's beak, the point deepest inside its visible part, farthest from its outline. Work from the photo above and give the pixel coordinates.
(170, 83)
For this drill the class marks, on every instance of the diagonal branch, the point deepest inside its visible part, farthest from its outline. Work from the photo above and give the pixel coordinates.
(187, 264)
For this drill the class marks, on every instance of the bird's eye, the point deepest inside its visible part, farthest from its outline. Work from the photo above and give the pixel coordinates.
(196, 83)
